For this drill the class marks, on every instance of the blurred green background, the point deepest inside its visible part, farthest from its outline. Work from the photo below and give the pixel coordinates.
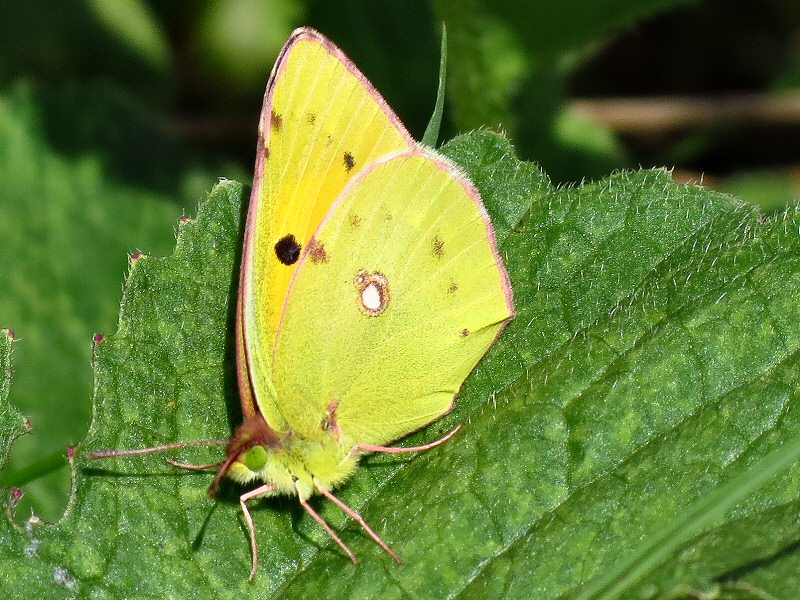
(116, 116)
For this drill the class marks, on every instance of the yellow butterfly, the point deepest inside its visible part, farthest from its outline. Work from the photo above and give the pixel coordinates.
(370, 286)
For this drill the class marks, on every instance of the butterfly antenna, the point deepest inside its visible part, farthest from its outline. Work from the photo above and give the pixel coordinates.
(153, 449)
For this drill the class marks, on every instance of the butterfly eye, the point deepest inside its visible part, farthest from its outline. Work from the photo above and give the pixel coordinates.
(255, 458)
(288, 249)
(373, 290)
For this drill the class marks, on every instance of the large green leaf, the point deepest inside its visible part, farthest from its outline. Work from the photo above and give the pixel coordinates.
(635, 431)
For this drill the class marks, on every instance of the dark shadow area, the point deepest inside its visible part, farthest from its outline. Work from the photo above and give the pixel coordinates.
(232, 399)
(198, 540)
(742, 571)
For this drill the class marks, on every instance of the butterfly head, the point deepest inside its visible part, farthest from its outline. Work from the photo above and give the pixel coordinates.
(248, 453)
(289, 463)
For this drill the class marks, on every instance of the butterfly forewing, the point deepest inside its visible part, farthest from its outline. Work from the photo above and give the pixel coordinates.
(322, 123)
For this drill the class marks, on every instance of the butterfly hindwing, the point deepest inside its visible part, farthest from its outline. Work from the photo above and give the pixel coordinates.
(398, 295)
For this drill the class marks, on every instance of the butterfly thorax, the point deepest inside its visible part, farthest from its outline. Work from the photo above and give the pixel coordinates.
(291, 463)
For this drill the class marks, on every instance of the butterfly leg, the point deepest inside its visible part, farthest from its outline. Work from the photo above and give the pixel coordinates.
(361, 522)
(243, 499)
(328, 529)
(398, 450)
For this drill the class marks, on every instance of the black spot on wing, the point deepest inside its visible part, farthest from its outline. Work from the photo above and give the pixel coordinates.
(349, 161)
(288, 249)
(311, 118)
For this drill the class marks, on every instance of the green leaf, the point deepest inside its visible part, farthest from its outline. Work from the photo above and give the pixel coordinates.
(486, 65)
(431, 136)
(652, 366)
(65, 226)
(12, 423)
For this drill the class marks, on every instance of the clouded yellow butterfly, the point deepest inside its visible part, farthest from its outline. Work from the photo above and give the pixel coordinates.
(370, 286)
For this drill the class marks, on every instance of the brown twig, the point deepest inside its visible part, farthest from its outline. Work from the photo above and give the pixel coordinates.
(669, 114)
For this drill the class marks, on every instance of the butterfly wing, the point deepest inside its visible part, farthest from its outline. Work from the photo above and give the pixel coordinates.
(398, 295)
(322, 122)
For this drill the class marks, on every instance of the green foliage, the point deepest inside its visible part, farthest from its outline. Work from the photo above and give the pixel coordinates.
(613, 438)
(635, 429)
(12, 423)
(65, 228)
(769, 190)
(431, 135)
(137, 27)
(240, 38)
(509, 66)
